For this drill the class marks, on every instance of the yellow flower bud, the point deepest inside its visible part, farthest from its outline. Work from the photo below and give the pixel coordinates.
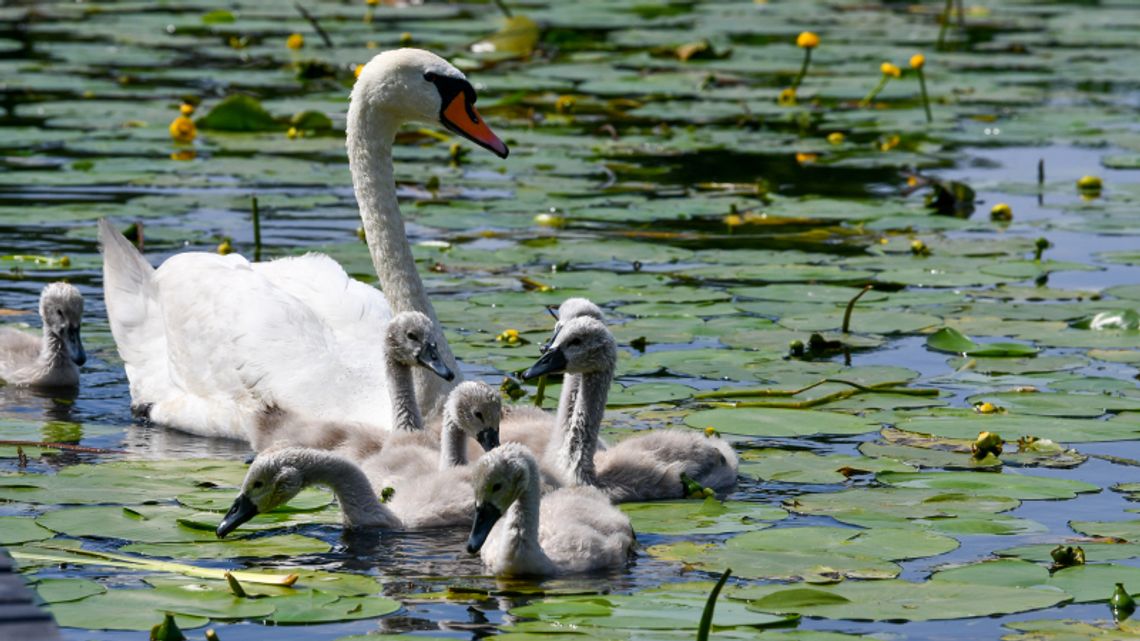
(225, 247)
(917, 61)
(807, 40)
(1089, 183)
(836, 137)
(357, 70)
(1001, 211)
(986, 408)
(186, 109)
(292, 133)
(919, 248)
(733, 220)
(787, 97)
(565, 104)
(405, 39)
(182, 129)
(890, 69)
(806, 159)
(295, 41)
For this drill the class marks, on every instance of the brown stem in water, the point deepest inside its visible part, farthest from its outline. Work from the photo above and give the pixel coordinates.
(851, 306)
(316, 25)
(61, 446)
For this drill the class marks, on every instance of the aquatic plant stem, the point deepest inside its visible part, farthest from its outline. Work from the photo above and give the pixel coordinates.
(316, 25)
(256, 229)
(945, 24)
(710, 605)
(503, 7)
(850, 307)
(925, 97)
(803, 69)
(61, 446)
(866, 101)
(540, 393)
(92, 557)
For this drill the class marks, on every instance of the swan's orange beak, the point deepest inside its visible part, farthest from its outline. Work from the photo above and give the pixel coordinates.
(461, 117)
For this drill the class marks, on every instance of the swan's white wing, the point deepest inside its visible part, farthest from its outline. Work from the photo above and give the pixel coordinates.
(135, 316)
(355, 312)
(231, 331)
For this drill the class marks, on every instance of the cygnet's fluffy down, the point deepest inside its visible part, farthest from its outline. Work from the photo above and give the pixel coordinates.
(51, 360)
(520, 532)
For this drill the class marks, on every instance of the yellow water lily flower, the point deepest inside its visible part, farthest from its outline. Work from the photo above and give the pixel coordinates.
(807, 40)
(787, 97)
(295, 41)
(509, 336)
(890, 69)
(836, 137)
(806, 158)
(1089, 183)
(917, 61)
(182, 129)
(1001, 211)
(186, 109)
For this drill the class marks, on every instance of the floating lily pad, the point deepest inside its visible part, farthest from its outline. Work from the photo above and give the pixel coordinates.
(283, 546)
(898, 600)
(63, 590)
(778, 422)
(951, 340)
(1014, 486)
(708, 516)
(814, 554)
(787, 466)
(21, 529)
(665, 608)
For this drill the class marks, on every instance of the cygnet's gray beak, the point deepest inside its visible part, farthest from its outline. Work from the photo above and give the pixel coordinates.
(486, 515)
(552, 362)
(488, 438)
(241, 511)
(429, 358)
(75, 346)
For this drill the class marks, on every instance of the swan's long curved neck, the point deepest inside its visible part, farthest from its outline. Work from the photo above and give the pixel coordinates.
(402, 392)
(361, 506)
(452, 444)
(576, 454)
(369, 139)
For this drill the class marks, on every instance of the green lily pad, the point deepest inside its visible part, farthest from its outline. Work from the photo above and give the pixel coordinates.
(319, 607)
(1058, 404)
(788, 466)
(708, 516)
(63, 590)
(670, 607)
(1069, 630)
(21, 529)
(898, 600)
(814, 554)
(778, 422)
(282, 546)
(951, 340)
(1014, 486)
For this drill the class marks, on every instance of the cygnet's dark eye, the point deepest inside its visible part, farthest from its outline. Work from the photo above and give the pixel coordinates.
(479, 416)
(575, 342)
(496, 487)
(412, 336)
(257, 485)
(430, 76)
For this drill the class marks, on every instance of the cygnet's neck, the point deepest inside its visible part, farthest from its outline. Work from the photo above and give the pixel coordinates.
(452, 443)
(370, 134)
(402, 393)
(576, 455)
(521, 519)
(358, 501)
(53, 351)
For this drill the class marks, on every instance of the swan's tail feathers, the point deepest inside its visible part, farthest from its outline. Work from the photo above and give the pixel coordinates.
(133, 310)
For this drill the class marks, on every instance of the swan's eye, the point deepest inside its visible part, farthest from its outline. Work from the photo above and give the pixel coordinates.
(479, 416)
(430, 76)
(257, 485)
(496, 487)
(575, 342)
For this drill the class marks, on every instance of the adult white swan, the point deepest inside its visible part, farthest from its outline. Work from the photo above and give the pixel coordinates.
(211, 342)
